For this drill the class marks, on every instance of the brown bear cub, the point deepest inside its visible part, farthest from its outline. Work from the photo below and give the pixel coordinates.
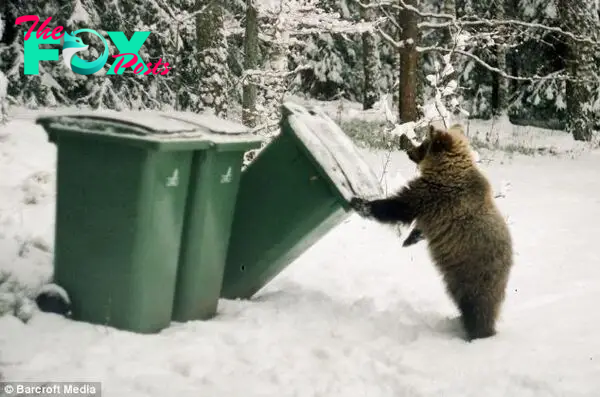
(416, 154)
(469, 240)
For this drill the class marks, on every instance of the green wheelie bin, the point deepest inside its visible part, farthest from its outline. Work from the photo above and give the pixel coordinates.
(143, 213)
(295, 191)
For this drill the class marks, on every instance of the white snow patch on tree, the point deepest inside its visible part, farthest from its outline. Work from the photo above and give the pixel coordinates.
(3, 95)
(407, 129)
(79, 15)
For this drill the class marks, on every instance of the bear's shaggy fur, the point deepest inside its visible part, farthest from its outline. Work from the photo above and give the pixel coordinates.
(469, 240)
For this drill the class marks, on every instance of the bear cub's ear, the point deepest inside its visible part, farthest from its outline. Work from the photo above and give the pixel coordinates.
(457, 128)
(441, 141)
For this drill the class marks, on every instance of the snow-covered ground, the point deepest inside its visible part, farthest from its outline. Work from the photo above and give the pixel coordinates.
(356, 315)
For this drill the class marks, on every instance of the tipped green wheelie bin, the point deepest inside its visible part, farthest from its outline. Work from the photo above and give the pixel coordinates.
(143, 213)
(295, 191)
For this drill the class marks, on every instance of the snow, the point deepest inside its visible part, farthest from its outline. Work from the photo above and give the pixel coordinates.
(3, 86)
(497, 132)
(55, 290)
(2, 25)
(356, 315)
(301, 17)
(342, 109)
(407, 129)
(3, 90)
(79, 15)
(157, 126)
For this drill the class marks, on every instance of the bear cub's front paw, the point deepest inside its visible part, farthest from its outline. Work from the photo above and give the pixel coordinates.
(361, 206)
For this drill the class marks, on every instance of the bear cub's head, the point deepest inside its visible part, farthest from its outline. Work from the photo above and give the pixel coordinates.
(442, 149)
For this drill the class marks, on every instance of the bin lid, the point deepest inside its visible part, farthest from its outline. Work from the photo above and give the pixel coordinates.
(333, 151)
(159, 128)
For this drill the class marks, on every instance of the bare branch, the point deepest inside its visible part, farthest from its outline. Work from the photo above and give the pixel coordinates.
(388, 38)
(470, 22)
(266, 73)
(551, 76)
(487, 65)
(507, 22)
(309, 30)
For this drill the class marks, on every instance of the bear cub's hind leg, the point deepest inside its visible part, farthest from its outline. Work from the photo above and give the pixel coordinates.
(478, 315)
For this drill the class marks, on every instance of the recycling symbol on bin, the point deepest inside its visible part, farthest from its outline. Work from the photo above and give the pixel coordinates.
(226, 177)
(173, 180)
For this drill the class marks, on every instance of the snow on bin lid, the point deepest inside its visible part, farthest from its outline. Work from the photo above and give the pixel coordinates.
(209, 121)
(334, 151)
(162, 125)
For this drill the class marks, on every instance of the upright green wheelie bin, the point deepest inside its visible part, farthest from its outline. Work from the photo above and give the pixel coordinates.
(132, 187)
(212, 194)
(295, 191)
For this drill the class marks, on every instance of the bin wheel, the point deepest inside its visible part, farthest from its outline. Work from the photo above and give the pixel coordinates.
(53, 299)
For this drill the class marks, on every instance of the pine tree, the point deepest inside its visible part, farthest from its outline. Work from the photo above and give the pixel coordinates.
(250, 63)
(48, 87)
(276, 62)
(370, 62)
(3, 79)
(183, 45)
(57, 85)
(500, 84)
(577, 18)
(212, 56)
(449, 8)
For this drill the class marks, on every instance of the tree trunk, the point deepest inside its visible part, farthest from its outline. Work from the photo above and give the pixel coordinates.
(212, 56)
(370, 62)
(3, 19)
(409, 58)
(576, 18)
(500, 84)
(250, 63)
(450, 9)
(396, 66)
(9, 29)
(513, 60)
(3, 79)
(277, 66)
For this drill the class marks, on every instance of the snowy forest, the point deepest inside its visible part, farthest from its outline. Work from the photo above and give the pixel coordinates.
(535, 61)
(109, 222)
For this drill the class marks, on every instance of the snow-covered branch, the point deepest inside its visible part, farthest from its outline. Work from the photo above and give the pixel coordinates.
(472, 21)
(558, 75)
(401, 5)
(507, 22)
(272, 73)
(305, 29)
(187, 16)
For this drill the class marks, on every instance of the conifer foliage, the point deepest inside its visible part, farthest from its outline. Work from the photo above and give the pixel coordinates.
(533, 60)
